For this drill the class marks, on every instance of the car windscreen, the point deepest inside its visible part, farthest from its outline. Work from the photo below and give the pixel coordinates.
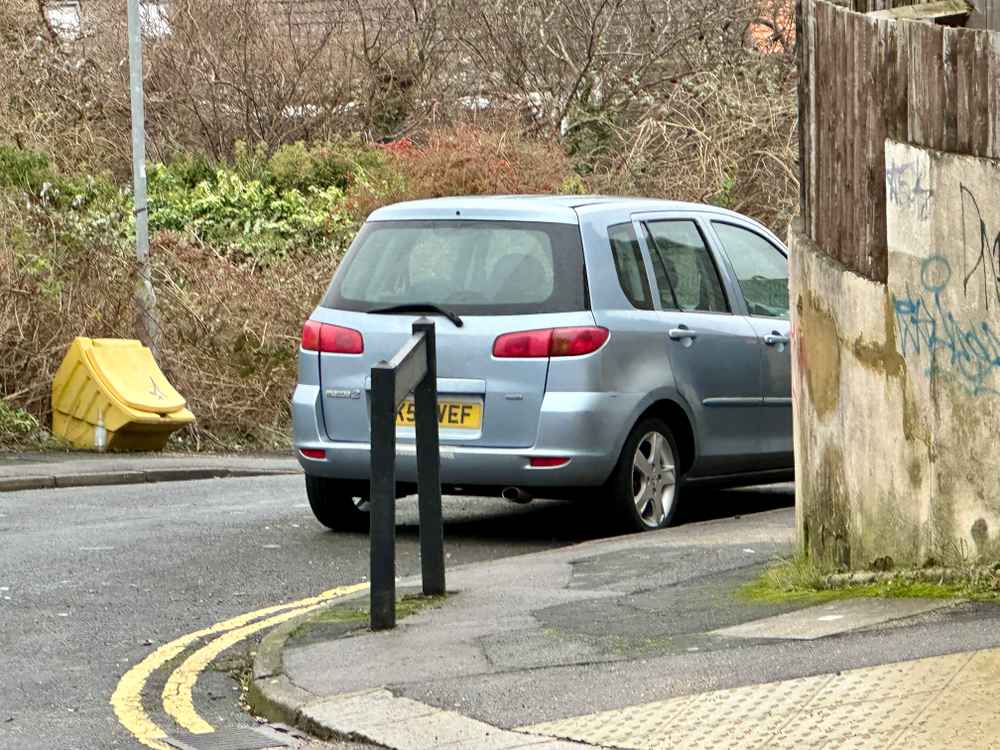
(468, 267)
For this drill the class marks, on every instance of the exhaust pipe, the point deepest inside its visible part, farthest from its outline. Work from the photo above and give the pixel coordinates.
(516, 495)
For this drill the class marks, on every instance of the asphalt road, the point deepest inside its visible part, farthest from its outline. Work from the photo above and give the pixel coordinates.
(94, 579)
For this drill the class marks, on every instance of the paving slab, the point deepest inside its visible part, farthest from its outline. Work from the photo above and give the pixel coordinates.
(926, 703)
(835, 617)
(403, 724)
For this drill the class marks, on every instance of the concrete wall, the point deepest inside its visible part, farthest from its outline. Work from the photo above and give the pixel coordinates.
(897, 388)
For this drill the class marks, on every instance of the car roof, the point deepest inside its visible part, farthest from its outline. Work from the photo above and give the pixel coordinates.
(563, 209)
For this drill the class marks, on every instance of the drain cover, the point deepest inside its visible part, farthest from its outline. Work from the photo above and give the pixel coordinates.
(231, 739)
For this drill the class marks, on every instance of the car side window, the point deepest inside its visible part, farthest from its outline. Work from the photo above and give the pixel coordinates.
(665, 285)
(761, 269)
(628, 262)
(681, 257)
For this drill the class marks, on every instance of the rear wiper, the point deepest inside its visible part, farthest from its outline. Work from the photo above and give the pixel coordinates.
(417, 307)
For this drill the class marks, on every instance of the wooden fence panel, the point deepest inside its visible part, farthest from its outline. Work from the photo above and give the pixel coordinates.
(949, 81)
(864, 80)
(872, 198)
(993, 110)
(805, 45)
(972, 81)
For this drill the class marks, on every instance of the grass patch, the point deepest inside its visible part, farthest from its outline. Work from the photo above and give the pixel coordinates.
(799, 580)
(345, 619)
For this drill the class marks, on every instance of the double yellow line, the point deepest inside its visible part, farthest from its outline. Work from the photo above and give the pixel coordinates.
(177, 695)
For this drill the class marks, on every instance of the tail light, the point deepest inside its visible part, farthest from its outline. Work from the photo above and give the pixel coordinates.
(523, 344)
(572, 342)
(547, 462)
(551, 342)
(323, 337)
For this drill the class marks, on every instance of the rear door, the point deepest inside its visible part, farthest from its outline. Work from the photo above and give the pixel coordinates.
(499, 277)
(714, 352)
(760, 266)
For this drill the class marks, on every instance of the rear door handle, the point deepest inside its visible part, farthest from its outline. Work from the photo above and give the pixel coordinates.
(775, 338)
(681, 333)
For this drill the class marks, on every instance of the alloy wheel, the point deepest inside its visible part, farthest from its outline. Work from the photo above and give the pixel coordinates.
(654, 479)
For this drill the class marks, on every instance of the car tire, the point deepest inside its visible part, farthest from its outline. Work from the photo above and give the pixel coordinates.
(645, 484)
(338, 504)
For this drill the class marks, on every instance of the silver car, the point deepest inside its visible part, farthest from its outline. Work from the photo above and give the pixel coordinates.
(618, 349)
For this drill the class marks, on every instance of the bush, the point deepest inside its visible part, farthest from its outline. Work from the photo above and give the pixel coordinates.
(467, 160)
(188, 169)
(246, 219)
(297, 166)
(24, 170)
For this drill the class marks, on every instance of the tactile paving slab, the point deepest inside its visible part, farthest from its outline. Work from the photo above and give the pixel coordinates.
(950, 701)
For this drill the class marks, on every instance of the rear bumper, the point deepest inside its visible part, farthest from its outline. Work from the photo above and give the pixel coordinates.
(586, 428)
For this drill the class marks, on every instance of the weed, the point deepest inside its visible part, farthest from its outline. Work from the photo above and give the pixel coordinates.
(798, 579)
(238, 666)
(16, 421)
(345, 619)
(20, 429)
(724, 198)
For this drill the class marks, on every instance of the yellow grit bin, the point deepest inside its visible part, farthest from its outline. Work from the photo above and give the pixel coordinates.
(109, 394)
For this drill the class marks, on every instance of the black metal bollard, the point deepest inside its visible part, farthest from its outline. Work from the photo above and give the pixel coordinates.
(412, 370)
(429, 469)
(382, 517)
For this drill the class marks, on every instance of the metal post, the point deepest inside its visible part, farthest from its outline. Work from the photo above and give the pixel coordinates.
(429, 469)
(148, 324)
(383, 498)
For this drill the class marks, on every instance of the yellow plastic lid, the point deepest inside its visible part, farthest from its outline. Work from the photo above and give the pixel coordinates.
(127, 369)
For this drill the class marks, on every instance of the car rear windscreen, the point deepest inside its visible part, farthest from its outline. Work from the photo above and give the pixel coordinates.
(468, 267)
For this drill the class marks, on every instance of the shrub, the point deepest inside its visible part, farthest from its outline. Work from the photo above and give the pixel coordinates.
(467, 160)
(292, 166)
(471, 161)
(339, 164)
(24, 169)
(247, 219)
(188, 169)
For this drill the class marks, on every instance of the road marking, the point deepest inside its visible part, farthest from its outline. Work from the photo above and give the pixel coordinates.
(127, 697)
(178, 698)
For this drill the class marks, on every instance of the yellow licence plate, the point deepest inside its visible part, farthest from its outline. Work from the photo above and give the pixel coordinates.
(452, 415)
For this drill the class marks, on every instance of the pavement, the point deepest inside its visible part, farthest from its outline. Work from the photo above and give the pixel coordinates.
(43, 470)
(642, 642)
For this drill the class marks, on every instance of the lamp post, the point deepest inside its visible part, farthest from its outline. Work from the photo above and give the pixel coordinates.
(148, 324)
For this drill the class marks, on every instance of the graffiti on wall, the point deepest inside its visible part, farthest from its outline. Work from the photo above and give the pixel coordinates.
(905, 188)
(981, 251)
(968, 353)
